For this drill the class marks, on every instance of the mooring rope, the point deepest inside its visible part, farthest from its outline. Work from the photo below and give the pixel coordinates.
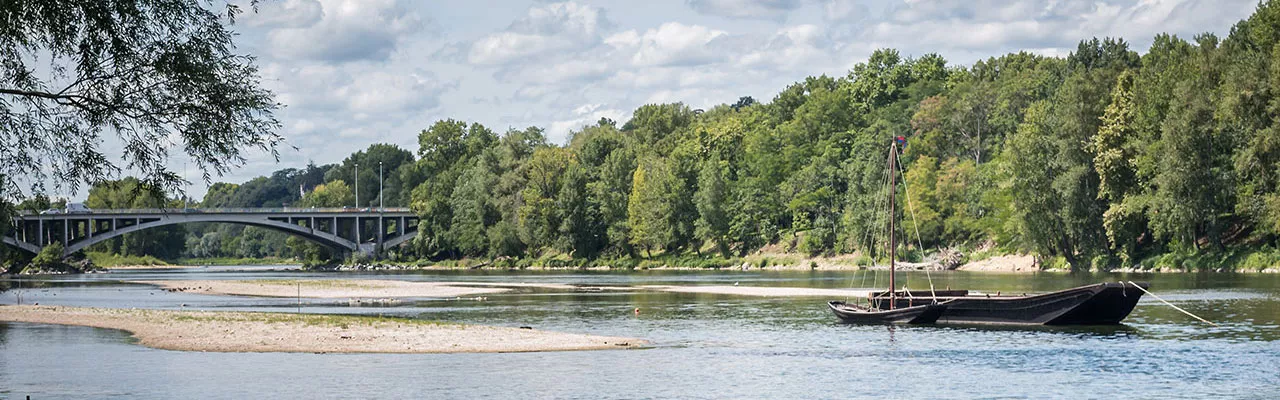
(1170, 304)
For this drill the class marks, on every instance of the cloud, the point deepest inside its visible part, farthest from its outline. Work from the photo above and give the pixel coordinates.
(671, 43)
(351, 102)
(544, 29)
(285, 14)
(800, 47)
(746, 9)
(990, 27)
(843, 11)
(345, 30)
(583, 115)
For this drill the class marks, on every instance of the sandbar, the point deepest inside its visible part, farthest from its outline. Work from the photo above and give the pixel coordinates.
(218, 331)
(325, 288)
(761, 291)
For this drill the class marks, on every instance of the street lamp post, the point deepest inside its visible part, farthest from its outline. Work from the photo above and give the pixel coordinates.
(381, 204)
(357, 216)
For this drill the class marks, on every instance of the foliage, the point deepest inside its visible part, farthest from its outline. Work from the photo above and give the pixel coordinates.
(145, 73)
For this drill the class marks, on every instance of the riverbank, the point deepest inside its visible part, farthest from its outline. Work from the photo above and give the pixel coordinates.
(308, 333)
(982, 260)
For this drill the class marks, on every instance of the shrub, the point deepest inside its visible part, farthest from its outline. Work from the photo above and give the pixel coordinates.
(49, 258)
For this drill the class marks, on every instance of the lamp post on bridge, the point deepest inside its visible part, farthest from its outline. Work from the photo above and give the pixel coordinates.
(381, 208)
(357, 179)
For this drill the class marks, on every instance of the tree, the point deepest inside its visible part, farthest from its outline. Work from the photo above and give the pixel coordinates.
(711, 199)
(580, 229)
(145, 73)
(648, 208)
(329, 195)
(1114, 158)
(333, 194)
(165, 242)
(1192, 185)
(391, 157)
(473, 211)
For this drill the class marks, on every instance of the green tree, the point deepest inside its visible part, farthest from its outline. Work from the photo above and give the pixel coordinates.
(649, 208)
(473, 211)
(164, 242)
(711, 199)
(387, 156)
(144, 73)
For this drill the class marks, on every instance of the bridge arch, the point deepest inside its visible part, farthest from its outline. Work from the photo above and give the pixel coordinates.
(323, 238)
(122, 222)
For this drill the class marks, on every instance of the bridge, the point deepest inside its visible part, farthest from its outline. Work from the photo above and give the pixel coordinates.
(365, 230)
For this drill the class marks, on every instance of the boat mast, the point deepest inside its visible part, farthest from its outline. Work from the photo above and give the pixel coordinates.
(893, 244)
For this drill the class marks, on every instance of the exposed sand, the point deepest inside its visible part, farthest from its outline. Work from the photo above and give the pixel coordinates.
(328, 288)
(279, 332)
(760, 291)
(1006, 263)
(126, 267)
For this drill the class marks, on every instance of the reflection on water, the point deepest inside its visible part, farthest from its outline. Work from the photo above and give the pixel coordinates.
(705, 346)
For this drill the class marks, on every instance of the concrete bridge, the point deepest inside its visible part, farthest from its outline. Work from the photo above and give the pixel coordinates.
(365, 230)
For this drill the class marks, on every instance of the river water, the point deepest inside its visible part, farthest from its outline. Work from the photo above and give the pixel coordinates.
(703, 346)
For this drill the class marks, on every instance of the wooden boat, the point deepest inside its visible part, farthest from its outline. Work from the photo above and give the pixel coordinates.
(860, 314)
(1098, 304)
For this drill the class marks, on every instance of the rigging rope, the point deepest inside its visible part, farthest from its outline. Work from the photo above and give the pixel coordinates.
(907, 191)
(1170, 304)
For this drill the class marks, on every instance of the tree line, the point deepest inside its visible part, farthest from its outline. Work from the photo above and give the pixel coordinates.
(1103, 158)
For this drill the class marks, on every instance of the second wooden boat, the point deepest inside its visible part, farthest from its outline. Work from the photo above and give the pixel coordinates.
(860, 314)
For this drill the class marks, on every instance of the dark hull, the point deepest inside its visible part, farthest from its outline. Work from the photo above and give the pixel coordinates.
(856, 314)
(1099, 304)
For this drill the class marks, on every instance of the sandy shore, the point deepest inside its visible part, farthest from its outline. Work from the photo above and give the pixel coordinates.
(1006, 263)
(760, 291)
(310, 333)
(326, 288)
(128, 267)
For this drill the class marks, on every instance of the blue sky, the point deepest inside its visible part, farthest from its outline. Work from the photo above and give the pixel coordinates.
(357, 72)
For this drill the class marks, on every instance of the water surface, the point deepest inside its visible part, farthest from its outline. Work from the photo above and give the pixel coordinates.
(704, 346)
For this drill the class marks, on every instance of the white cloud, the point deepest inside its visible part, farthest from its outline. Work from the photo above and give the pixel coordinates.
(584, 115)
(549, 28)
(285, 14)
(347, 30)
(748, 9)
(672, 43)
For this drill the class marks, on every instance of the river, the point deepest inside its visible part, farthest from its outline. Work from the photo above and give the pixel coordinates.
(703, 346)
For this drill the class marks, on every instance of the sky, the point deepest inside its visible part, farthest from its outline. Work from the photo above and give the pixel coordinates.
(357, 72)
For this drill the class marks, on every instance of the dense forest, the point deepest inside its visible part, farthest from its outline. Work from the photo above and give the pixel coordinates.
(1105, 158)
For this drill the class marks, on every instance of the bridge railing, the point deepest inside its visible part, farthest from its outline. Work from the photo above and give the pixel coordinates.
(279, 210)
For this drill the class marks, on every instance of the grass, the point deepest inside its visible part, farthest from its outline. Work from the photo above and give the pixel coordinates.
(1235, 259)
(115, 260)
